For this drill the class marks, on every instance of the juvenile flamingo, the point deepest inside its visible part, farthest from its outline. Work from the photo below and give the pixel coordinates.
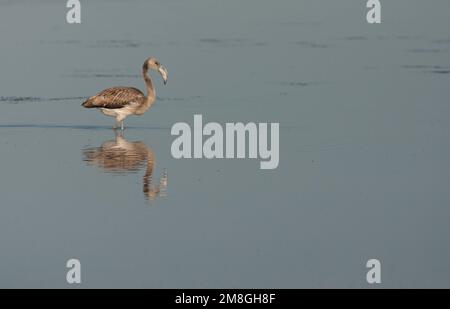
(120, 102)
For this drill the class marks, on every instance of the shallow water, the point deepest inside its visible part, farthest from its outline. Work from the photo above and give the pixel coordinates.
(364, 146)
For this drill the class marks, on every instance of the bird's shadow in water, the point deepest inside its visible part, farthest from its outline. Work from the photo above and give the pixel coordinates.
(120, 156)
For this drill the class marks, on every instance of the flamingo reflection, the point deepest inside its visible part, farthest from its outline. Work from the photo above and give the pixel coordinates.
(121, 156)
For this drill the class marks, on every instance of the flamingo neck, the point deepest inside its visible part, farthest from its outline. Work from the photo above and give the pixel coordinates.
(147, 179)
(151, 92)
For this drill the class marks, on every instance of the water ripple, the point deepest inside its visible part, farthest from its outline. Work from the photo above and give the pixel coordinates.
(31, 99)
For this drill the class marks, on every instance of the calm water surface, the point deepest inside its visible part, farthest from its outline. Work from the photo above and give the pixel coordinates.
(364, 147)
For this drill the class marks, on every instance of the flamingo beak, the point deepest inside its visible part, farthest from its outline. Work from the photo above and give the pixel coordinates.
(163, 71)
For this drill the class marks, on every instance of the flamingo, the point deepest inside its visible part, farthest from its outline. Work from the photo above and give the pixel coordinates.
(120, 102)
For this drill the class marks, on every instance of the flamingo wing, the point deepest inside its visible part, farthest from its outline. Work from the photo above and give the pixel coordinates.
(116, 97)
